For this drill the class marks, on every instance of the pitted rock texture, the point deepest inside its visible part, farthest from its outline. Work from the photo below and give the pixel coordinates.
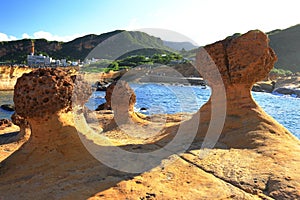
(54, 156)
(43, 92)
(243, 59)
(122, 93)
(121, 98)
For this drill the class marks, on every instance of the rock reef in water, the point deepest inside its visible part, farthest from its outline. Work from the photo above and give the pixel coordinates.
(254, 158)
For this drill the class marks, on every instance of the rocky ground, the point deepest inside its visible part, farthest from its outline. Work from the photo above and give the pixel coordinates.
(73, 153)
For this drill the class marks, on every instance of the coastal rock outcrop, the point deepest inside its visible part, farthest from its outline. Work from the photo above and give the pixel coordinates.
(43, 93)
(9, 76)
(247, 131)
(264, 86)
(251, 157)
(108, 94)
(287, 91)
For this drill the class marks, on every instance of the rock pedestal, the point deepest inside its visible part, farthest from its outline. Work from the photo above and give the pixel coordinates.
(231, 67)
(54, 158)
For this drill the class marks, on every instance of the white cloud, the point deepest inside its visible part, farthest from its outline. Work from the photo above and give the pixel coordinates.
(49, 36)
(25, 36)
(41, 34)
(4, 37)
(133, 24)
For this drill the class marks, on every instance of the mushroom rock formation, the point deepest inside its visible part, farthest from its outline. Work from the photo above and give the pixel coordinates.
(43, 93)
(108, 94)
(121, 99)
(260, 147)
(241, 61)
(53, 160)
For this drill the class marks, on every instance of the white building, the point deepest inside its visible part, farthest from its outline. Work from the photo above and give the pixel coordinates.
(38, 60)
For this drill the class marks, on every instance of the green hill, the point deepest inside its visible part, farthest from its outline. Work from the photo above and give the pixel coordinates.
(286, 44)
(180, 45)
(112, 45)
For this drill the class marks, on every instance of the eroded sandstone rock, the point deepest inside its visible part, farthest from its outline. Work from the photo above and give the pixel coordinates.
(258, 146)
(241, 62)
(43, 92)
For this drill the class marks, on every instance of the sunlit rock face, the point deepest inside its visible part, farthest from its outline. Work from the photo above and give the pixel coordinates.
(231, 67)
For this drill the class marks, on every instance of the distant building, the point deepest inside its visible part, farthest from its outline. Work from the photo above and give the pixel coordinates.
(46, 61)
(37, 60)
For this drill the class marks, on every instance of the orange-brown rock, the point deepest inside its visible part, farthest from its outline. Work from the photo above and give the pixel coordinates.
(43, 92)
(108, 94)
(121, 99)
(9, 76)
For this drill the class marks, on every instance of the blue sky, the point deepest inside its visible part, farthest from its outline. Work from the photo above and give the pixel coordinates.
(203, 21)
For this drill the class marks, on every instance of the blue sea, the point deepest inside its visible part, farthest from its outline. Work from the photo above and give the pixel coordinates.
(158, 98)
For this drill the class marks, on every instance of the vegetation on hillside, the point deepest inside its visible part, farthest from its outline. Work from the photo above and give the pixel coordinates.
(129, 62)
(281, 72)
(286, 44)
